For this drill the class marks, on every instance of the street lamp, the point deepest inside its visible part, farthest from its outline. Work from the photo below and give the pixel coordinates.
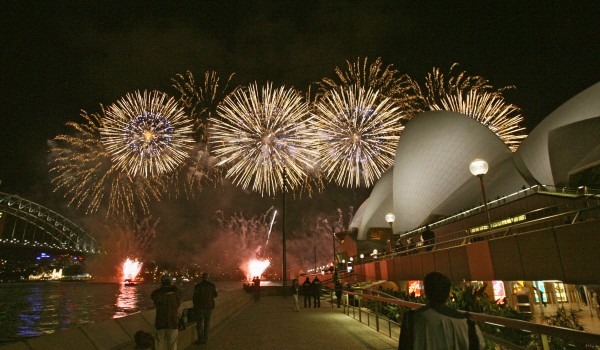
(390, 218)
(333, 241)
(362, 256)
(479, 168)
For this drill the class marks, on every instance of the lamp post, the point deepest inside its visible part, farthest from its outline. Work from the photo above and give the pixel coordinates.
(390, 218)
(351, 264)
(333, 241)
(479, 168)
(362, 256)
(283, 291)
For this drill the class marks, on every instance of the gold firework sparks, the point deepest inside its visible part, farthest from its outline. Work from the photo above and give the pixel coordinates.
(357, 135)
(83, 171)
(262, 133)
(387, 80)
(147, 133)
(491, 110)
(475, 97)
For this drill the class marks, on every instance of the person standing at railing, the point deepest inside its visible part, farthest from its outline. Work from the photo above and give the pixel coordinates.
(338, 289)
(348, 288)
(428, 238)
(437, 326)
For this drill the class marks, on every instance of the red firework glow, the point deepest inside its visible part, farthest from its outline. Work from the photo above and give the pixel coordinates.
(256, 267)
(131, 268)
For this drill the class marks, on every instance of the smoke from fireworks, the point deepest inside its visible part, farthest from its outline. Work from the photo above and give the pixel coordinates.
(147, 133)
(357, 135)
(262, 134)
(83, 171)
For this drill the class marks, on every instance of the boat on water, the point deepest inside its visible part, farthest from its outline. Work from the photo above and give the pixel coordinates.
(128, 282)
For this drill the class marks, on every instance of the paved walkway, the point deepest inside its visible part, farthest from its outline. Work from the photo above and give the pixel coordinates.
(272, 324)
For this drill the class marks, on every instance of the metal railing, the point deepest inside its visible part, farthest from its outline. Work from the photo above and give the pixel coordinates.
(357, 308)
(462, 237)
(581, 191)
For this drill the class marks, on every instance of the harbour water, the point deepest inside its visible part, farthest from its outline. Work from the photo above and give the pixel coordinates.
(37, 308)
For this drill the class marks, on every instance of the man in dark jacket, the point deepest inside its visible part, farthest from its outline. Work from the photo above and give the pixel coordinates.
(306, 291)
(205, 293)
(437, 326)
(167, 301)
(428, 238)
(316, 292)
(256, 286)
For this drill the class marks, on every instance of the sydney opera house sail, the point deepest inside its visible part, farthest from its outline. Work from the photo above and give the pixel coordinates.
(430, 178)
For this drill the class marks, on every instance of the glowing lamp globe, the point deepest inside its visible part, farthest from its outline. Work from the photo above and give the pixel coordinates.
(479, 167)
(389, 218)
(362, 256)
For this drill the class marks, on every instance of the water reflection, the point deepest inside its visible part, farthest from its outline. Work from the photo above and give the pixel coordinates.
(31, 316)
(37, 308)
(127, 300)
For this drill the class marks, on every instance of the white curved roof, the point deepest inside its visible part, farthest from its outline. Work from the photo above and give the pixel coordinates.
(431, 174)
(358, 216)
(547, 166)
(432, 164)
(380, 203)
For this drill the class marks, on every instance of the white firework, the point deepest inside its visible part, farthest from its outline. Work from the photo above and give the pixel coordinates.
(262, 134)
(147, 133)
(357, 135)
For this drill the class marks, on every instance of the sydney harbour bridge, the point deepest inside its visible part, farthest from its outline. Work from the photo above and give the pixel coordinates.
(24, 223)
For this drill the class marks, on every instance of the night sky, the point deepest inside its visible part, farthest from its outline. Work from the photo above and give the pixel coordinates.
(60, 57)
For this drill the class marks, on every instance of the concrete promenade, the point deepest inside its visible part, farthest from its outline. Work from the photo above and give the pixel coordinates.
(272, 324)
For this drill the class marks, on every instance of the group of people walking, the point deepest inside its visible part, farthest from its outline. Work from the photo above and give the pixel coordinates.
(311, 290)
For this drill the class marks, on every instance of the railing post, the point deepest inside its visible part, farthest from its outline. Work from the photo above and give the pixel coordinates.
(545, 343)
(377, 308)
(359, 308)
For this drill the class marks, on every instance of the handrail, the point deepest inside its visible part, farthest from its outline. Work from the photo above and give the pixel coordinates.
(493, 233)
(581, 191)
(554, 331)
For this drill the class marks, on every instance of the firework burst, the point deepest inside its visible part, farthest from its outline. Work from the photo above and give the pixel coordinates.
(474, 96)
(491, 110)
(147, 133)
(200, 99)
(261, 135)
(357, 135)
(387, 80)
(83, 171)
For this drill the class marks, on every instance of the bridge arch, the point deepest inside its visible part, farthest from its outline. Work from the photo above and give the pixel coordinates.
(29, 224)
